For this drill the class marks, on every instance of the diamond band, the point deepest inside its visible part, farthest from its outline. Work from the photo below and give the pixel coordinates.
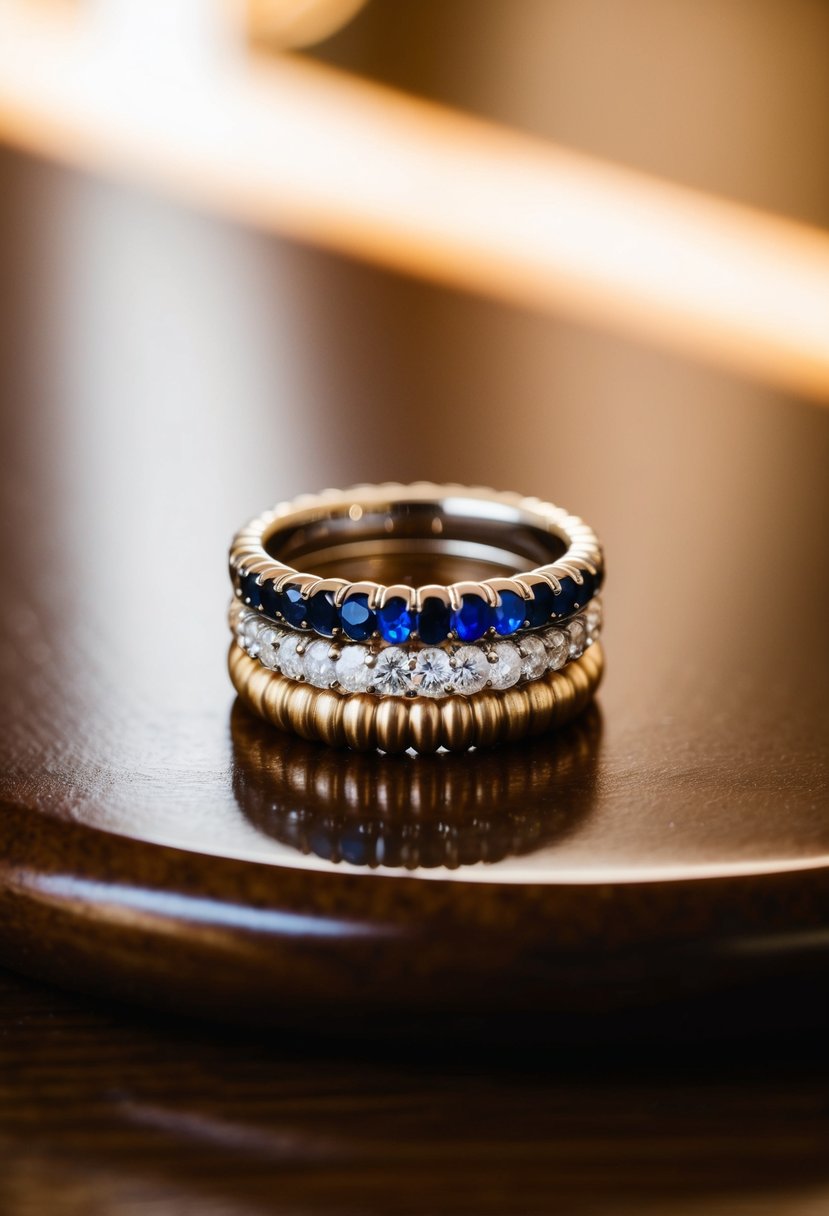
(450, 669)
(421, 724)
(485, 629)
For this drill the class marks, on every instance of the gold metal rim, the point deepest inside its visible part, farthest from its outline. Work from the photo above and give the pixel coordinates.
(395, 724)
(582, 554)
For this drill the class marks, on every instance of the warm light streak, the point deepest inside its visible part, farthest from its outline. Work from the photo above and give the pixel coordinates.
(159, 909)
(349, 165)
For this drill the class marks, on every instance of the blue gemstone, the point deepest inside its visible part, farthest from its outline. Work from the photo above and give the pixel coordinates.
(571, 596)
(540, 608)
(433, 621)
(322, 842)
(251, 591)
(587, 589)
(598, 579)
(472, 619)
(270, 599)
(395, 620)
(292, 606)
(322, 613)
(510, 614)
(357, 619)
(356, 845)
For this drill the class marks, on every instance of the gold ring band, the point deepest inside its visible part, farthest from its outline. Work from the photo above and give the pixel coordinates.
(366, 723)
(542, 563)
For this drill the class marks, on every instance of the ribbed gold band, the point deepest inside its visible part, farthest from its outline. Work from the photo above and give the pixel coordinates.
(395, 724)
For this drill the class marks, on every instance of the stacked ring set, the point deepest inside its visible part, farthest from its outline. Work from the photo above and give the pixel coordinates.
(395, 662)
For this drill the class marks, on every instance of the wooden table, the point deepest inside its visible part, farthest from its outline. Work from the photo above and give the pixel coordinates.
(615, 1006)
(102, 1112)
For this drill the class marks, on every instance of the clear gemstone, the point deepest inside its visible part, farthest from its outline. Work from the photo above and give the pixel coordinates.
(351, 670)
(470, 670)
(558, 648)
(432, 672)
(533, 657)
(269, 640)
(290, 663)
(506, 670)
(578, 637)
(391, 675)
(250, 635)
(318, 664)
(235, 617)
(593, 619)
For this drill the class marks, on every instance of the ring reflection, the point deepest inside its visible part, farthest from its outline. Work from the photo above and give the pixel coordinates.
(410, 812)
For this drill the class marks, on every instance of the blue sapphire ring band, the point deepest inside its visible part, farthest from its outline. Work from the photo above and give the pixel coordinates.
(436, 617)
(523, 564)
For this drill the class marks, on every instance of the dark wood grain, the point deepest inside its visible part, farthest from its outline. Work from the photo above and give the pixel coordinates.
(101, 1114)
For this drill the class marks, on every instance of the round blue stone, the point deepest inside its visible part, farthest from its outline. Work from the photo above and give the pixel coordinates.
(322, 613)
(510, 614)
(322, 842)
(356, 845)
(270, 599)
(571, 597)
(395, 621)
(292, 606)
(357, 619)
(540, 608)
(433, 621)
(587, 589)
(598, 579)
(472, 619)
(251, 591)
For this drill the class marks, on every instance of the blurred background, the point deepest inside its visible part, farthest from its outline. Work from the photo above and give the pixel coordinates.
(178, 350)
(168, 371)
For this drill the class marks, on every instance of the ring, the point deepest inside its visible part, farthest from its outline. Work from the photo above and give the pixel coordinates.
(381, 811)
(373, 524)
(436, 596)
(393, 724)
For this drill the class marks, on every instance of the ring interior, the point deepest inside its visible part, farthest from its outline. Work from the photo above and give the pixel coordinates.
(415, 543)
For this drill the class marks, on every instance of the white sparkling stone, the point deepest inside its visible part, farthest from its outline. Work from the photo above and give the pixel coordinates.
(533, 657)
(506, 670)
(557, 642)
(390, 675)
(351, 671)
(470, 670)
(236, 617)
(269, 640)
(291, 663)
(432, 672)
(593, 619)
(250, 635)
(318, 664)
(578, 637)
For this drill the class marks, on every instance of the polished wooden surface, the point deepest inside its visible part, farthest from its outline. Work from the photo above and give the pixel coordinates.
(588, 973)
(136, 856)
(103, 1114)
